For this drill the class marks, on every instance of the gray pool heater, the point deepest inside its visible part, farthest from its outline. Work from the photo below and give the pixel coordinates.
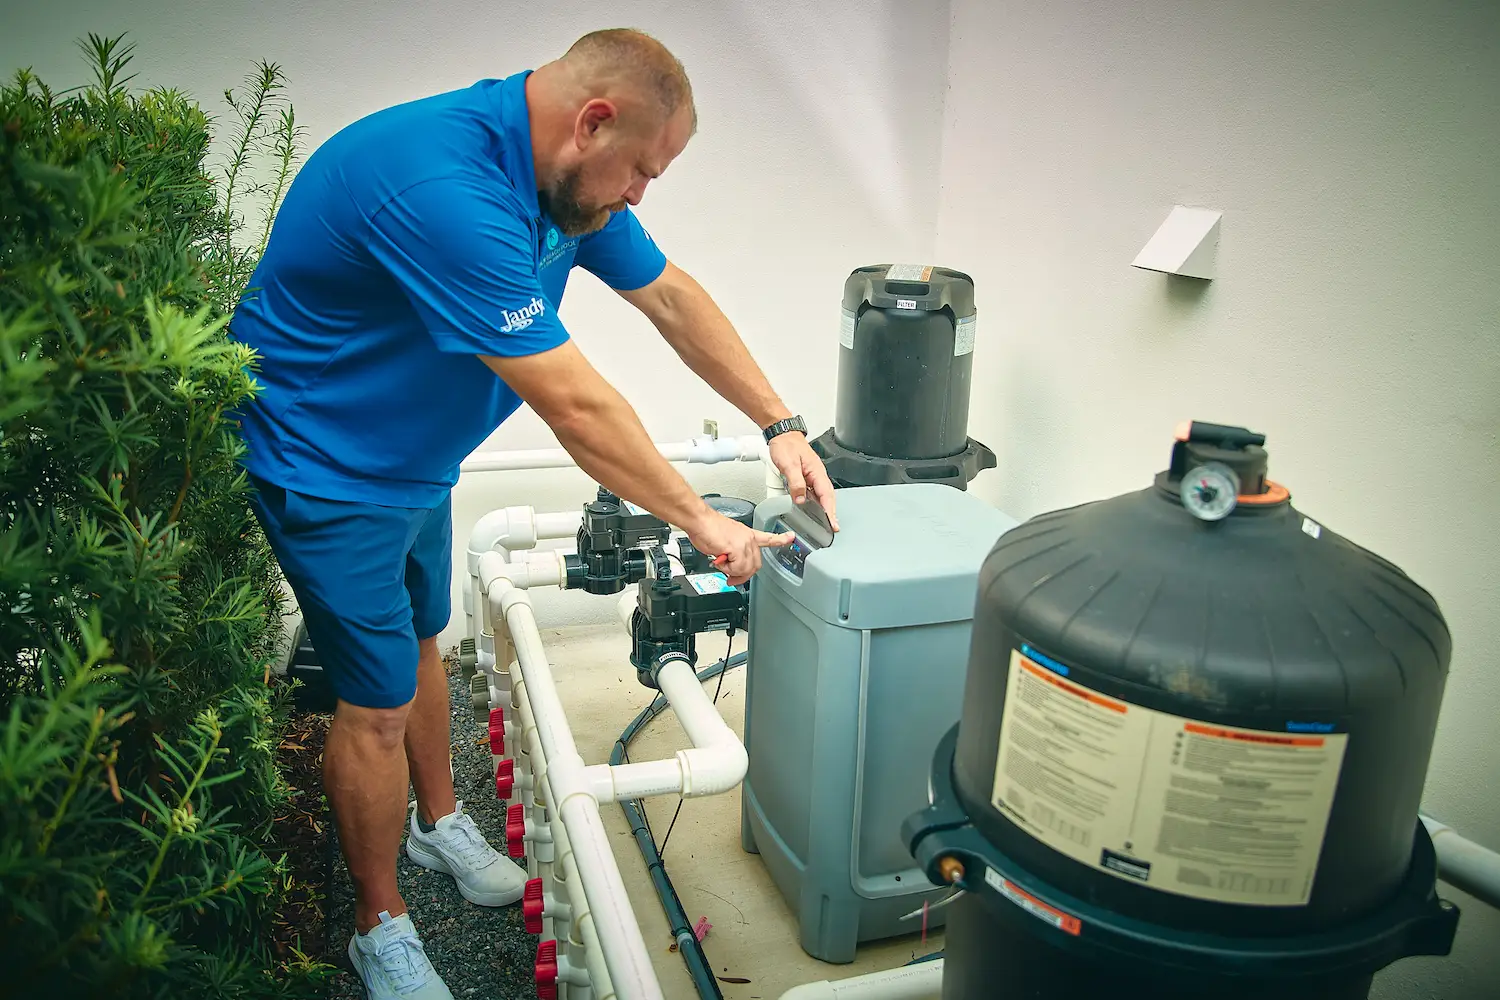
(858, 646)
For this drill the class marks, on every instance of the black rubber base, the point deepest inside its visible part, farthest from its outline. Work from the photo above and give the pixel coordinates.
(981, 949)
(852, 468)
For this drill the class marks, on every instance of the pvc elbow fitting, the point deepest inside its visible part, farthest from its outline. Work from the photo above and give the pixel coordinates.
(509, 528)
(713, 770)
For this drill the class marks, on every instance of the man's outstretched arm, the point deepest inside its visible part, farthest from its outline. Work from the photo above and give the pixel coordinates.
(697, 329)
(596, 426)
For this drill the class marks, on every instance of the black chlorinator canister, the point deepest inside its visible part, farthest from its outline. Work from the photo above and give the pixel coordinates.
(1195, 732)
(906, 356)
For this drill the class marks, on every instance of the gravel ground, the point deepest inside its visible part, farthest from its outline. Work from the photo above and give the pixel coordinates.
(482, 953)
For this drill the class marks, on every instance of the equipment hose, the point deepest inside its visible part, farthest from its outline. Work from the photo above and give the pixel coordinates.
(688, 944)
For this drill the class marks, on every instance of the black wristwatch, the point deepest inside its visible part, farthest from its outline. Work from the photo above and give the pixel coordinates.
(782, 426)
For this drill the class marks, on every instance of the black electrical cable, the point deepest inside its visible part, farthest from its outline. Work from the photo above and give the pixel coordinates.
(681, 927)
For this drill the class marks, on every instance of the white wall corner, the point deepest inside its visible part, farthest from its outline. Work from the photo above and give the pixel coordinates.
(1186, 244)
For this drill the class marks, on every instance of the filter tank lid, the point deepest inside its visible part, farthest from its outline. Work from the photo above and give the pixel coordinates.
(1211, 590)
(919, 287)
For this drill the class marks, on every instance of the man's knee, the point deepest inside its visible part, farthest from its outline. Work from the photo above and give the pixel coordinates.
(386, 727)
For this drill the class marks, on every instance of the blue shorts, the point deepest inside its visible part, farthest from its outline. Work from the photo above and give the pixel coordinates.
(370, 582)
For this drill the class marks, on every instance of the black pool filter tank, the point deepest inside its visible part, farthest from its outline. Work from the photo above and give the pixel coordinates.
(906, 355)
(1195, 732)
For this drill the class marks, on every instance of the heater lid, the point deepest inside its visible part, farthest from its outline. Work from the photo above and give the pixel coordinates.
(905, 554)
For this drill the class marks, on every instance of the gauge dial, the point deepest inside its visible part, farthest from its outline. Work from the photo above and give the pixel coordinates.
(1209, 491)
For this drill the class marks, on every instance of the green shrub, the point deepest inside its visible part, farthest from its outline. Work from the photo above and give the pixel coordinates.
(139, 604)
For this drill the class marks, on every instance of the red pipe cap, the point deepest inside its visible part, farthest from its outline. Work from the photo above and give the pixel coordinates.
(533, 906)
(505, 779)
(546, 970)
(497, 730)
(515, 829)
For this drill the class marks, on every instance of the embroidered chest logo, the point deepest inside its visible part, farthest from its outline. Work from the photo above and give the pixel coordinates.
(556, 246)
(520, 319)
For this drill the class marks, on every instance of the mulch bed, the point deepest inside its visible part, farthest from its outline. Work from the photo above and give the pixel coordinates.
(483, 953)
(303, 833)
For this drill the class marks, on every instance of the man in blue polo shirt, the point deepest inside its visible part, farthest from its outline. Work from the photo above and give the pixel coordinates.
(405, 306)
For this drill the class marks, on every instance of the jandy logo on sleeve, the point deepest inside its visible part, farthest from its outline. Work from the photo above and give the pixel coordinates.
(520, 319)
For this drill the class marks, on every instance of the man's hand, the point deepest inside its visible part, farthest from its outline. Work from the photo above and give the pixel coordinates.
(803, 470)
(719, 536)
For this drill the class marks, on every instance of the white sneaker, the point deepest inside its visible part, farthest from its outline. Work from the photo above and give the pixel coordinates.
(393, 964)
(456, 847)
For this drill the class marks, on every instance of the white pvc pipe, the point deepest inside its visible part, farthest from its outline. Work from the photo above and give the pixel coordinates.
(1464, 864)
(581, 920)
(625, 607)
(539, 569)
(922, 981)
(715, 763)
(564, 919)
(509, 529)
(637, 780)
(572, 801)
(574, 914)
(558, 524)
(701, 450)
(542, 854)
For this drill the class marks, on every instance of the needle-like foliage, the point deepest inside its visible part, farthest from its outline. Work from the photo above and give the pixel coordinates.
(139, 604)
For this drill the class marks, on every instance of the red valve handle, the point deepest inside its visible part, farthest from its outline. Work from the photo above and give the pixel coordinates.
(546, 970)
(497, 730)
(533, 906)
(505, 779)
(515, 830)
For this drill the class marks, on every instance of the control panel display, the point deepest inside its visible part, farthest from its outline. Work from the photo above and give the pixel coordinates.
(793, 557)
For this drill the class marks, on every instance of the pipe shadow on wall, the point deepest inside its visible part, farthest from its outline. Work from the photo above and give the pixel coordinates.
(875, 81)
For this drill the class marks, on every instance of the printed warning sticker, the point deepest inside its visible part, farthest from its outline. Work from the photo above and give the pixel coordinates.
(847, 322)
(1202, 810)
(963, 336)
(909, 272)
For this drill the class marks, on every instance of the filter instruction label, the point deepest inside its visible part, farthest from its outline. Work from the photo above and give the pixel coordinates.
(1202, 810)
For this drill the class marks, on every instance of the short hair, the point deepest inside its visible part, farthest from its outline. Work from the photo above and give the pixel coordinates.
(640, 60)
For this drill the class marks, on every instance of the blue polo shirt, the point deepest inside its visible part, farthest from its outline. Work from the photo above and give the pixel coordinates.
(409, 243)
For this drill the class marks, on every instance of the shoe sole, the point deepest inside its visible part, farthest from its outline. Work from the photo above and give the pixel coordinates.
(435, 862)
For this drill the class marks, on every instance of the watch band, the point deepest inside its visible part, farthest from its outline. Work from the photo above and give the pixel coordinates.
(783, 426)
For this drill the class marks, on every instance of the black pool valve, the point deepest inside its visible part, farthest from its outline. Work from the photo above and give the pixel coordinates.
(672, 609)
(611, 539)
(620, 544)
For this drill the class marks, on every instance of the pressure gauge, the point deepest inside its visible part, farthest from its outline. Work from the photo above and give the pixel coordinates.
(1209, 491)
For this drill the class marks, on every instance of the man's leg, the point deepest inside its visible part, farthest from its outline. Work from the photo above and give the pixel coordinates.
(345, 562)
(440, 835)
(428, 740)
(365, 776)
